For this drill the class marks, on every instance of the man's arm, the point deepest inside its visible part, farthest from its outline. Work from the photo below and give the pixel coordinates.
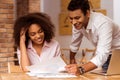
(72, 57)
(75, 69)
(89, 66)
(75, 44)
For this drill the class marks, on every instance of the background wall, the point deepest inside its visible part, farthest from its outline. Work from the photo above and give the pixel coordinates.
(9, 11)
(6, 27)
(52, 7)
(108, 5)
(116, 11)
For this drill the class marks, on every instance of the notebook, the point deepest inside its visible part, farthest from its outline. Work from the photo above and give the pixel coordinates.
(114, 65)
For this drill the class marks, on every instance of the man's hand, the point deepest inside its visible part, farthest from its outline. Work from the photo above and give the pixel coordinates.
(73, 69)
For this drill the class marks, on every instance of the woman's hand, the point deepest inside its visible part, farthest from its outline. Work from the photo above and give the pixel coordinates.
(22, 35)
(24, 60)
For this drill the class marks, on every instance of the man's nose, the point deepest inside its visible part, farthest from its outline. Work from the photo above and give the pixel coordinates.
(73, 21)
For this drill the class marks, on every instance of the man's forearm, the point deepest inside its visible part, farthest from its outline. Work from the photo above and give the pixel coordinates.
(72, 57)
(89, 66)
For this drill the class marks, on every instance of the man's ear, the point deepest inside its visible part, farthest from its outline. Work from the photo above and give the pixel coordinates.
(88, 13)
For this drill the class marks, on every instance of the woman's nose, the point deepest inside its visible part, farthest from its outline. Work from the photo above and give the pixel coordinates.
(37, 35)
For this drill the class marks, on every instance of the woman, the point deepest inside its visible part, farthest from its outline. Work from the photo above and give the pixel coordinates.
(33, 34)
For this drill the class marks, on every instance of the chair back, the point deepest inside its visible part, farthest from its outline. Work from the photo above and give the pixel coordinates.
(86, 55)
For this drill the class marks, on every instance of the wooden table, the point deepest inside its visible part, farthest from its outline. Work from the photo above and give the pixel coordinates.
(87, 76)
(23, 76)
(92, 76)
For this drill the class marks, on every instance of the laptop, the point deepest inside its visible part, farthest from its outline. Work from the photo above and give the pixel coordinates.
(114, 65)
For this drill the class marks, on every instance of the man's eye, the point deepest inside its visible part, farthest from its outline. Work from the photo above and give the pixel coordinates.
(70, 18)
(77, 17)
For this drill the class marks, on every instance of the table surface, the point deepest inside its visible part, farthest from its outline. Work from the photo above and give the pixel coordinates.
(86, 76)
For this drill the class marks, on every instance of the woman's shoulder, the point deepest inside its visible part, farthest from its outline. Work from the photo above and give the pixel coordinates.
(54, 41)
(52, 44)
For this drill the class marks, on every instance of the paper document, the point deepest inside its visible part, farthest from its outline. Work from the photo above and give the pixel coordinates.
(53, 68)
(52, 75)
(54, 65)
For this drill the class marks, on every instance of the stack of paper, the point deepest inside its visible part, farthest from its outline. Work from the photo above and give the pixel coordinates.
(52, 75)
(49, 69)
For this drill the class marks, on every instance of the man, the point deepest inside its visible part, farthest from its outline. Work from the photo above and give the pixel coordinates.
(100, 30)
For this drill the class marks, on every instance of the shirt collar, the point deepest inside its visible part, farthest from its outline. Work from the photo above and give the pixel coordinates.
(46, 44)
(89, 26)
(29, 44)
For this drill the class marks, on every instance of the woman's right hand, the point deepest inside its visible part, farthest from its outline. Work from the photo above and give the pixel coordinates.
(24, 59)
(22, 35)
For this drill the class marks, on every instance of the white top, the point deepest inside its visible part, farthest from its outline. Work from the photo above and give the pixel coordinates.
(102, 32)
(49, 51)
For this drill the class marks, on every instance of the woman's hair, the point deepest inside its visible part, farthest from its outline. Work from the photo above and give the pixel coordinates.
(83, 5)
(24, 22)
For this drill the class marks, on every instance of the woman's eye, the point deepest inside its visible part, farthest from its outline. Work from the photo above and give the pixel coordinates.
(32, 34)
(40, 31)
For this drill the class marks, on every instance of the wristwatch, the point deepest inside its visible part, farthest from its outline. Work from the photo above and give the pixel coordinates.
(82, 70)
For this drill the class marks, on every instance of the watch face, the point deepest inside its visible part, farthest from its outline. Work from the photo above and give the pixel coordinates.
(81, 69)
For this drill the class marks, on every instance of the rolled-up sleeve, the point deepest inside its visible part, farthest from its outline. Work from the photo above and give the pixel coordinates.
(104, 45)
(100, 59)
(76, 39)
